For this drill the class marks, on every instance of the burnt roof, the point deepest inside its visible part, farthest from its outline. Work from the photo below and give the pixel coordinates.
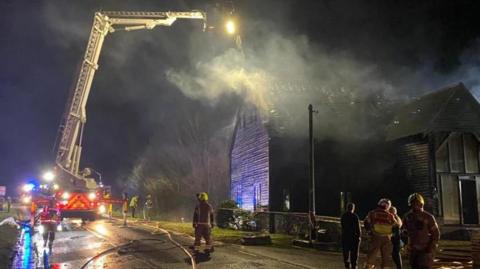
(449, 109)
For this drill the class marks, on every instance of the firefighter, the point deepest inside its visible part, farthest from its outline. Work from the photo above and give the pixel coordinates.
(33, 213)
(203, 223)
(49, 219)
(134, 204)
(125, 208)
(379, 223)
(147, 208)
(107, 197)
(9, 204)
(423, 233)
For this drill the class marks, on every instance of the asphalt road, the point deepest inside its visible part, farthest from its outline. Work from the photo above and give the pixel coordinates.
(78, 243)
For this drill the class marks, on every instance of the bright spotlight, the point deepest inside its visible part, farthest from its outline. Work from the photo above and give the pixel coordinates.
(56, 187)
(102, 209)
(230, 27)
(26, 199)
(48, 176)
(92, 196)
(66, 195)
(28, 187)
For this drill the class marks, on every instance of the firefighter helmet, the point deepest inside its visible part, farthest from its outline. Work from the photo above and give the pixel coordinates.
(203, 196)
(385, 203)
(416, 197)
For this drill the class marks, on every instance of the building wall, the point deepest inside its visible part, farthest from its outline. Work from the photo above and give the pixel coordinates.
(438, 166)
(250, 163)
(458, 177)
(414, 157)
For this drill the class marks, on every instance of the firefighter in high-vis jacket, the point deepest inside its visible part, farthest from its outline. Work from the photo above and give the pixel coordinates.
(203, 223)
(423, 233)
(109, 205)
(125, 208)
(379, 223)
(49, 220)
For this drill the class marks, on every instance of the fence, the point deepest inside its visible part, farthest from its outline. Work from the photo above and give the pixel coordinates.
(292, 223)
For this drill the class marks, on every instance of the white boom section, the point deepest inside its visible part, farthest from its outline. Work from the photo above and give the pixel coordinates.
(70, 145)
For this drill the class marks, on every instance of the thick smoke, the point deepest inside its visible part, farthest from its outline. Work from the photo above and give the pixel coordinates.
(163, 104)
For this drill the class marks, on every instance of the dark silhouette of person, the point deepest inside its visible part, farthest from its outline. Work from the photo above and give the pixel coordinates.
(396, 256)
(351, 235)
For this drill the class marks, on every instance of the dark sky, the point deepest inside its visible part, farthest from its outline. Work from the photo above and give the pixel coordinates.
(407, 47)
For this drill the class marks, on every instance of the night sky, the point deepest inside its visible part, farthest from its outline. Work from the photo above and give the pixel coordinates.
(155, 90)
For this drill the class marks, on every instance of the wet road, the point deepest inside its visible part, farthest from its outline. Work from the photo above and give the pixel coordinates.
(78, 243)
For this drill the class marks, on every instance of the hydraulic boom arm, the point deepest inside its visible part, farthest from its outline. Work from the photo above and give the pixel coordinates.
(70, 144)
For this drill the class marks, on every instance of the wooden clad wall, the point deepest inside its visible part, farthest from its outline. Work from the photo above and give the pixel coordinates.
(250, 163)
(414, 157)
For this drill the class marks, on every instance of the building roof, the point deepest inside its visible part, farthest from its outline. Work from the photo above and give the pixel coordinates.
(452, 108)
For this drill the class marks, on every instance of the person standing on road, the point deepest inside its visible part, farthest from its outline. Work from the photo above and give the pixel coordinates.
(125, 208)
(33, 213)
(49, 220)
(423, 233)
(134, 204)
(147, 208)
(9, 204)
(203, 223)
(351, 235)
(396, 241)
(109, 204)
(379, 222)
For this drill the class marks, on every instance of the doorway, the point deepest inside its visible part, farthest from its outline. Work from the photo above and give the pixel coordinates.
(468, 191)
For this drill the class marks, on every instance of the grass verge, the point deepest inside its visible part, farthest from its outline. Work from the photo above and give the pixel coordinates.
(219, 234)
(226, 235)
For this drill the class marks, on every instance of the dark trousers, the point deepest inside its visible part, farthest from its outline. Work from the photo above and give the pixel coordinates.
(421, 259)
(396, 256)
(203, 230)
(49, 235)
(133, 212)
(350, 253)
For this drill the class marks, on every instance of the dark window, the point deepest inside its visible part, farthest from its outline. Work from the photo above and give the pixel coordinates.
(471, 153)
(455, 148)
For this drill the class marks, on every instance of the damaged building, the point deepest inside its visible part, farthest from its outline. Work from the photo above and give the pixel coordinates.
(437, 138)
(364, 150)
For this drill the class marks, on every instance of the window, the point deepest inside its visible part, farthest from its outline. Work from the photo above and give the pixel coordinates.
(455, 147)
(471, 153)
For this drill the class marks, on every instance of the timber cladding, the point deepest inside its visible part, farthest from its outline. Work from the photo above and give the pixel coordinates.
(249, 164)
(414, 158)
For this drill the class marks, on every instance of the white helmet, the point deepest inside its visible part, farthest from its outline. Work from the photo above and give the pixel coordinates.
(385, 203)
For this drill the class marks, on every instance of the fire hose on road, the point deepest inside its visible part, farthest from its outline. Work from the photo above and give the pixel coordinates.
(129, 244)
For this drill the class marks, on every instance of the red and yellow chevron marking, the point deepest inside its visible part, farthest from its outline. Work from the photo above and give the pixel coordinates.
(78, 201)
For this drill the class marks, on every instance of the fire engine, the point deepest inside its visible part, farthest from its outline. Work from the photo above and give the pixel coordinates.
(79, 195)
